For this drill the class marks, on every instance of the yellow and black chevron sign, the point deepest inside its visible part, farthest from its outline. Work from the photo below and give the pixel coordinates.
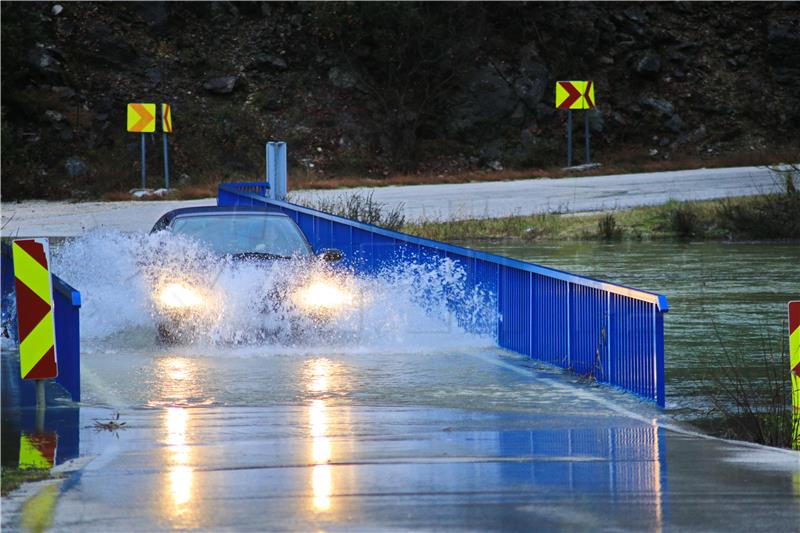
(35, 317)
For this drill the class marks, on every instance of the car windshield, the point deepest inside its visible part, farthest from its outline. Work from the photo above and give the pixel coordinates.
(269, 235)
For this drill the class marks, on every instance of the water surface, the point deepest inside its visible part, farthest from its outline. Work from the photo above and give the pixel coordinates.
(722, 297)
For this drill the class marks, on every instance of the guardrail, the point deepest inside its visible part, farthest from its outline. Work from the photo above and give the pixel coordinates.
(67, 304)
(612, 333)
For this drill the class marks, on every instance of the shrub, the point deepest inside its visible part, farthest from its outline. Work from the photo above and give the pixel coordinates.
(752, 404)
(359, 207)
(607, 227)
(684, 221)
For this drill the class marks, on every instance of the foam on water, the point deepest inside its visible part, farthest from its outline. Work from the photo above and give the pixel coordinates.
(406, 308)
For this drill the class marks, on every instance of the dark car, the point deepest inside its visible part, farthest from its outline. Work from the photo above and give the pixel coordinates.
(186, 301)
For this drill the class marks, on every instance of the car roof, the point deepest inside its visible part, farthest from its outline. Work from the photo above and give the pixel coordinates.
(222, 210)
(169, 216)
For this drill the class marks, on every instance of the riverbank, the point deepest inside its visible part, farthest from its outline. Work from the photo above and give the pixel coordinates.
(763, 217)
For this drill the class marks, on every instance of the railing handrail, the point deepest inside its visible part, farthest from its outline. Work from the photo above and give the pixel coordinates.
(658, 299)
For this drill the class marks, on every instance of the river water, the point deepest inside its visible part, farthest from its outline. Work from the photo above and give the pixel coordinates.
(722, 296)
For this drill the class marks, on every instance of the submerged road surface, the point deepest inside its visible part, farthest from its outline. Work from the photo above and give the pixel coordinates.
(460, 440)
(430, 202)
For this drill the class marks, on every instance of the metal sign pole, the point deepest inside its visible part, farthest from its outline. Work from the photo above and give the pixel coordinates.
(586, 134)
(144, 161)
(569, 137)
(40, 398)
(166, 161)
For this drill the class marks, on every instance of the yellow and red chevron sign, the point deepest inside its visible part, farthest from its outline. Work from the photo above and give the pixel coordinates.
(166, 118)
(574, 94)
(794, 337)
(142, 118)
(794, 365)
(35, 318)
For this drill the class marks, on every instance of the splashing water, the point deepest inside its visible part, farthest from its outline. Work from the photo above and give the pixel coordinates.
(408, 306)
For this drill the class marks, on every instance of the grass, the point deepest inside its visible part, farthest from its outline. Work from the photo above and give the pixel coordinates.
(12, 478)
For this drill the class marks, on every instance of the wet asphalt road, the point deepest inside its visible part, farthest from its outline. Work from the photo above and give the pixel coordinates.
(521, 447)
(449, 201)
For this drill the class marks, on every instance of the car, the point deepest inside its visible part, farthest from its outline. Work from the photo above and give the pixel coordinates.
(185, 297)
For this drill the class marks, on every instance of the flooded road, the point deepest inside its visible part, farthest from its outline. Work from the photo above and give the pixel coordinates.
(411, 422)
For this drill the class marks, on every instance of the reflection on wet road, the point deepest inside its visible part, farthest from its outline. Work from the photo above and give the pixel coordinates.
(328, 466)
(179, 468)
(318, 374)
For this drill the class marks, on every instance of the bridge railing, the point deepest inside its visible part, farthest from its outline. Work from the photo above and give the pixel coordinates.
(611, 333)
(67, 304)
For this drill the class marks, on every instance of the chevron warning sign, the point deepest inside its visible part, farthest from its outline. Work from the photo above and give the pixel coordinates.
(35, 319)
(574, 95)
(794, 365)
(166, 118)
(142, 118)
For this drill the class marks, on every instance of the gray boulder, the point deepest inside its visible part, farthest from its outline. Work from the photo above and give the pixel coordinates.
(648, 63)
(663, 107)
(342, 78)
(674, 124)
(44, 61)
(76, 167)
(221, 84)
(263, 60)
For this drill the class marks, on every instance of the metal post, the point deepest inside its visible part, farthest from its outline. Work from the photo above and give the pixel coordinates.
(271, 173)
(586, 129)
(280, 178)
(144, 164)
(40, 399)
(569, 137)
(166, 161)
(276, 170)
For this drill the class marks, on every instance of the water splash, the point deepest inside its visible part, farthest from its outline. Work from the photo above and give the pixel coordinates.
(406, 307)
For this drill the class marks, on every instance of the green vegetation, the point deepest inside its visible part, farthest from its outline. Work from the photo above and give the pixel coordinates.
(14, 477)
(360, 207)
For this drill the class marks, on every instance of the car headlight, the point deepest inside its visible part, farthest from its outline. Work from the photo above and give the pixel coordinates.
(323, 296)
(178, 296)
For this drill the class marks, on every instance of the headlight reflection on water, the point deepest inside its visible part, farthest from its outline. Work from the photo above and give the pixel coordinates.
(180, 474)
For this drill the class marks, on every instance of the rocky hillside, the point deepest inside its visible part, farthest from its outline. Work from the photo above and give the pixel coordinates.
(374, 89)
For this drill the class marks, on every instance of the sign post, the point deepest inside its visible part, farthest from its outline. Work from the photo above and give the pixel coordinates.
(142, 119)
(569, 137)
(166, 127)
(794, 369)
(575, 95)
(35, 313)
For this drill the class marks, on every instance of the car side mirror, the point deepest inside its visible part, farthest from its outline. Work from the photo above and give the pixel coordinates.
(331, 255)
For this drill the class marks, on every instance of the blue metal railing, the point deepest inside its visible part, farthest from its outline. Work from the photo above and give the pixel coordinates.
(67, 304)
(611, 332)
